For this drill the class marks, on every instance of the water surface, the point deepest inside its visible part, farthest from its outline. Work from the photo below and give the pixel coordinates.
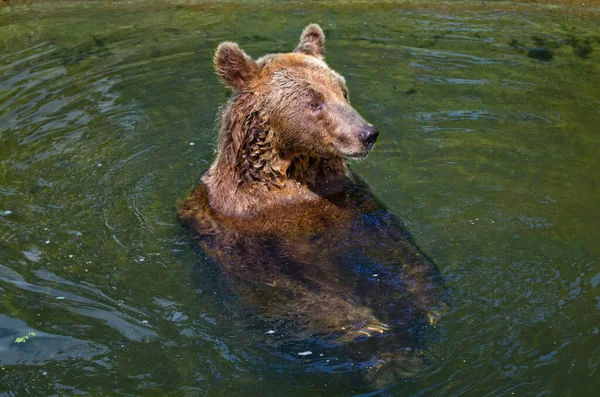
(488, 151)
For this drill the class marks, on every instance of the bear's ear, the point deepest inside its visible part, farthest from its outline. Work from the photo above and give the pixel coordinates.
(234, 66)
(312, 41)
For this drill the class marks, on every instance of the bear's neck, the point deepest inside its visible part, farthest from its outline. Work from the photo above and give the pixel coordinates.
(241, 192)
(254, 187)
(323, 176)
(251, 174)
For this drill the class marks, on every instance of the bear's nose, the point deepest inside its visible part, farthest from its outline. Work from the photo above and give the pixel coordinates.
(368, 136)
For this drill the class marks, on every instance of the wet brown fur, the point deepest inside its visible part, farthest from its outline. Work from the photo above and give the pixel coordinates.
(259, 161)
(281, 214)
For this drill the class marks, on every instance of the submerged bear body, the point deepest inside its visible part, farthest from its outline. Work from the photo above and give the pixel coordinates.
(342, 267)
(294, 232)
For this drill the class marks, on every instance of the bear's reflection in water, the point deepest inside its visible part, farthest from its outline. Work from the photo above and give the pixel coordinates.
(341, 268)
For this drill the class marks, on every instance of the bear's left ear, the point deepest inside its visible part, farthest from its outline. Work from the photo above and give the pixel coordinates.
(234, 66)
(312, 41)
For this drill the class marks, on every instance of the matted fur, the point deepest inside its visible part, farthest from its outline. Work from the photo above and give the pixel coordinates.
(291, 229)
(261, 164)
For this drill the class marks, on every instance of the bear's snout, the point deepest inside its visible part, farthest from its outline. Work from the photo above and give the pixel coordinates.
(369, 135)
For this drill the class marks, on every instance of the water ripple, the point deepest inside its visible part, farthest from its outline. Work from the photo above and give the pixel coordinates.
(71, 299)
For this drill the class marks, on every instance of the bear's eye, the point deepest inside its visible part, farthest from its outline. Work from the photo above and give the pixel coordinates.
(314, 106)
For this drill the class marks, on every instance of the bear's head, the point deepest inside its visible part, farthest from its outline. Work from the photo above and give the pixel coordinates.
(302, 103)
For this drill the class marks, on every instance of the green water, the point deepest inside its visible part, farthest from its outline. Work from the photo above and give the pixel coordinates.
(489, 152)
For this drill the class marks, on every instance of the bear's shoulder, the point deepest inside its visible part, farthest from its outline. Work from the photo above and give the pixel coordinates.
(300, 218)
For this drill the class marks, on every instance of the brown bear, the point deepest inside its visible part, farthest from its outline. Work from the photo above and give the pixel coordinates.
(294, 232)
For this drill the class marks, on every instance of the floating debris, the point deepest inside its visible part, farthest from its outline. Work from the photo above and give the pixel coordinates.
(306, 353)
(25, 338)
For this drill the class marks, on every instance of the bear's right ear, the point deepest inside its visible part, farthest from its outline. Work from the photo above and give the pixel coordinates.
(234, 66)
(312, 41)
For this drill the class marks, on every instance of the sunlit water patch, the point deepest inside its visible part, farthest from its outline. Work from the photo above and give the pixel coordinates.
(488, 151)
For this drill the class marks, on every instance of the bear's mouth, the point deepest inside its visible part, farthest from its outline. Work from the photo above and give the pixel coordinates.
(356, 156)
